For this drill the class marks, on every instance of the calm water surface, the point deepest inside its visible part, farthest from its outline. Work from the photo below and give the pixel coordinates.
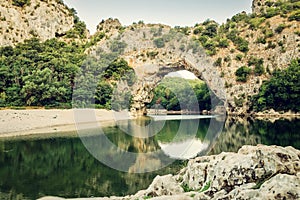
(33, 168)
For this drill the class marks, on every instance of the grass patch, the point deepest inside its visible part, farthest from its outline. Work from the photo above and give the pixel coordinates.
(186, 188)
(262, 180)
(205, 187)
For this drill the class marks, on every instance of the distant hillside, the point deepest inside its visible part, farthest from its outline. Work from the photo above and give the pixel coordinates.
(246, 50)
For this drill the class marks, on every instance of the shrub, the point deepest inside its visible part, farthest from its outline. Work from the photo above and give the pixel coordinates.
(211, 30)
(239, 57)
(152, 54)
(261, 40)
(227, 59)
(271, 45)
(159, 42)
(295, 16)
(223, 43)
(259, 70)
(255, 61)
(239, 101)
(20, 3)
(218, 62)
(242, 44)
(271, 12)
(280, 28)
(242, 73)
(210, 45)
(203, 39)
(182, 47)
(240, 17)
(256, 22)
(198, 30)
(117, 46)
(268, 32)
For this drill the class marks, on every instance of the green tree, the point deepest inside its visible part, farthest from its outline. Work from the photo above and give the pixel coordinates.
(281, 92)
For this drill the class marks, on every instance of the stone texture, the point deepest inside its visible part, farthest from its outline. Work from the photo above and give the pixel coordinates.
(162, 186)
(42, 19)
(151, 63)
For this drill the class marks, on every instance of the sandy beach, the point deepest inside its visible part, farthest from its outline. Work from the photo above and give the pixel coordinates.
(14, 123)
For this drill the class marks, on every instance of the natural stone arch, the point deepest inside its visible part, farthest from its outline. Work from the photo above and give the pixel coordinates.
(149, 76)
(152, 61)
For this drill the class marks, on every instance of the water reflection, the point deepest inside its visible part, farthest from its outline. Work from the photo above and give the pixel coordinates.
(238, 132)
(32, 168)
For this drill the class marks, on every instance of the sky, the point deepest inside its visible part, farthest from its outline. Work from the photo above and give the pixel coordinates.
(169, 12)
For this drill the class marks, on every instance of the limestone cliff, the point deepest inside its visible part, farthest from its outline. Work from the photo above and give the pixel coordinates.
(45, 19)
(267, 39)
(270, 36)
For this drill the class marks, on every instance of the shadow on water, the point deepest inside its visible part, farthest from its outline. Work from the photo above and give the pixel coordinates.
(34, 168)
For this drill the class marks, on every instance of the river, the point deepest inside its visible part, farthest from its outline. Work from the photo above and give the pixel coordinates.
(34, 167)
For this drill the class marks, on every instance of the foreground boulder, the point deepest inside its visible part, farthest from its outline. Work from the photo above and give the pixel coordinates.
(255, 172)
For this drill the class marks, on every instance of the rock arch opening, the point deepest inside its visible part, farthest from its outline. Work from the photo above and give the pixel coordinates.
(180, 85)
(151, 62)
(150, 76)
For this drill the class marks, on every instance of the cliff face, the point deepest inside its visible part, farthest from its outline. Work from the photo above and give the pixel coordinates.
(45, 19)
(262, 41)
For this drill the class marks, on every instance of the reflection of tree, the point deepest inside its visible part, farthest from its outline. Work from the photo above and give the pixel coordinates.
(176, 130)
(239, 132)
(236, 133)
(62, 167)
(282, 132)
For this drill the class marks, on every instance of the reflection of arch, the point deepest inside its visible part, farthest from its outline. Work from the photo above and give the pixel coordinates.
(177, 51)
(151, 60)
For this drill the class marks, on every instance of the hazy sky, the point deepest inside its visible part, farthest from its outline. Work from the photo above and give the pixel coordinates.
(170, 12)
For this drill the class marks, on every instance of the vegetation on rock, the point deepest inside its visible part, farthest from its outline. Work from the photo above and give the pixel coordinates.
(20, 3)
(281, 92)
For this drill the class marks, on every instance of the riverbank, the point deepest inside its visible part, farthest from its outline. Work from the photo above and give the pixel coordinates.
(14, 123)
(254, 172)
(58, 122)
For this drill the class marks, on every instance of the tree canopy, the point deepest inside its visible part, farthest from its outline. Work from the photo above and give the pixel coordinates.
(176, 94)
(281, 92)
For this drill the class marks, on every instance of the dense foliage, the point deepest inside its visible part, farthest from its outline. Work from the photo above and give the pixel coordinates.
(38, 74)
(176, 94)
(281, 92)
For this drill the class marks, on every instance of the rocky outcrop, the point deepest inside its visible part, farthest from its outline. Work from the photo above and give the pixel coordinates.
(36, 18)
(272, 38)
(109, 26)
(260, 6)
(152, 59)
(255, 172)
